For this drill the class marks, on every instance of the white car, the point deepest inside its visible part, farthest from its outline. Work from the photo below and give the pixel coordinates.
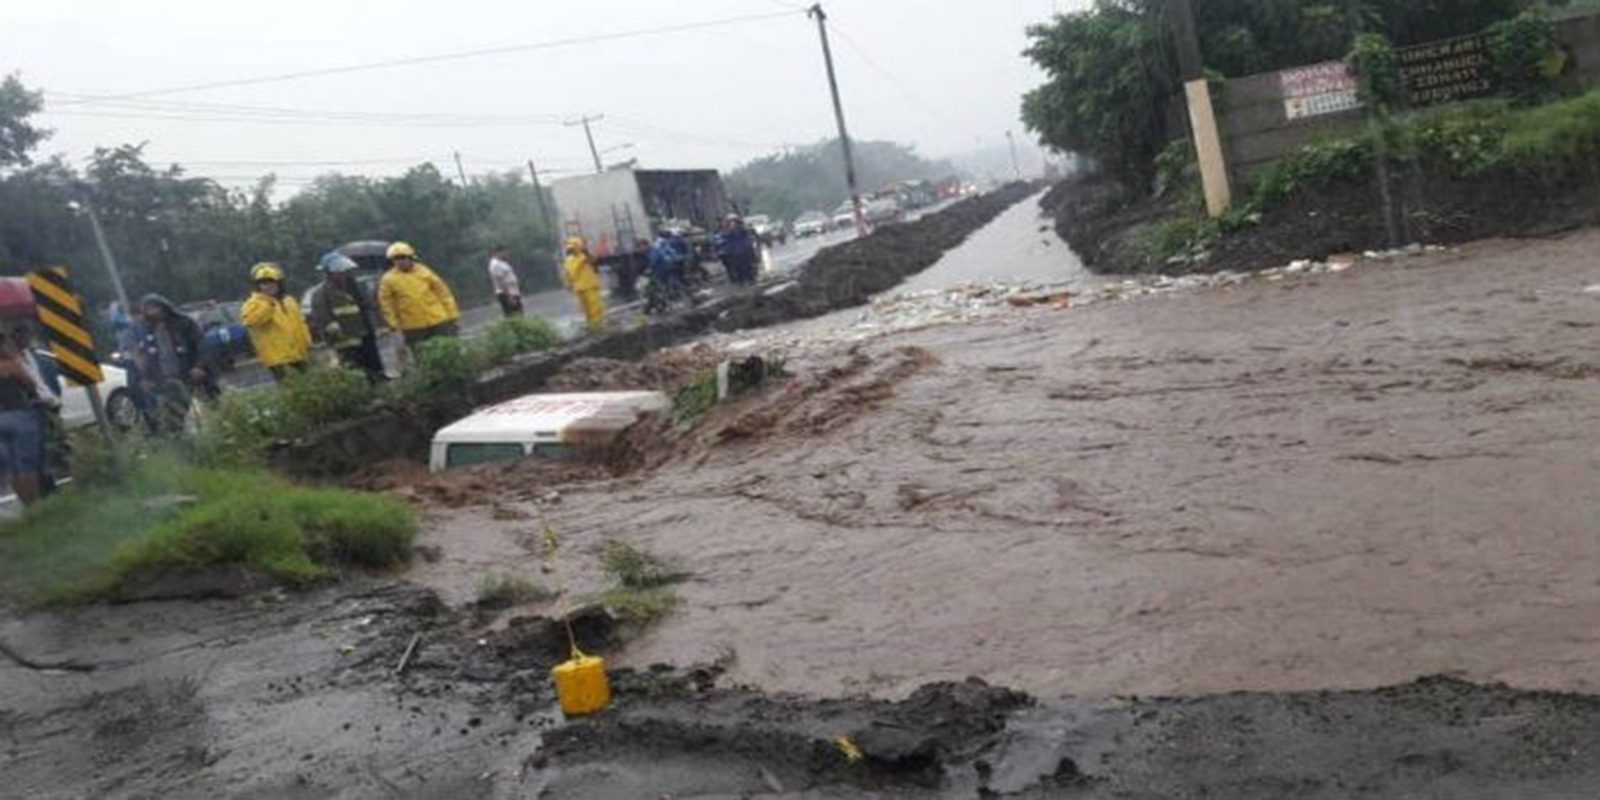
(76, 412)
(811, 223)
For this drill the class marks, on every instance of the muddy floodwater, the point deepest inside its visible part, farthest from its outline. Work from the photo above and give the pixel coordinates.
(1335, 481)
(1312, 535)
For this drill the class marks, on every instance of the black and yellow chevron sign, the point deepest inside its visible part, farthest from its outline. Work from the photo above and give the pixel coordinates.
(61, 314)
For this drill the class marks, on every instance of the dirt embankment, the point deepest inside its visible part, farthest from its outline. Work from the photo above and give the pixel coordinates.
(1113, 237)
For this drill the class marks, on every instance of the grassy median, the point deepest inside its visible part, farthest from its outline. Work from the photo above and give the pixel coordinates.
(162, 515)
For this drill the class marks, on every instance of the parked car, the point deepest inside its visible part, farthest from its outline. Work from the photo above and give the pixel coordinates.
(77, 412)
(225, 335)
(811, 223)
(767, 229)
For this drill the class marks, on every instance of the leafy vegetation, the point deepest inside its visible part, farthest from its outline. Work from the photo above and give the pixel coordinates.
(1112, 91)
(642, 591)
(165, 515)
(245, 423)
(1377, 72)
(1522, 48)
(505, 591)
(1557, 143)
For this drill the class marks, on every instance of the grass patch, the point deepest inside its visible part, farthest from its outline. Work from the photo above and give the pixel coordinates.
(166, 516)
(504, 591)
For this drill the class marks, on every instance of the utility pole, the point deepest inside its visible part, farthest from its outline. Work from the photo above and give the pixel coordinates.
(1202, 117)
(105, 252)
(538, 192)
(589, 134)
(460, 171)
(544, 212)
(838, 114)
(1016, 168)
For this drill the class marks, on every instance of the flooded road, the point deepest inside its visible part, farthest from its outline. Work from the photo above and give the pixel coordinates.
(1335, 481)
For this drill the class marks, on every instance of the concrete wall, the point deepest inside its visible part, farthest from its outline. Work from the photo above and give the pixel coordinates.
(1256, 130)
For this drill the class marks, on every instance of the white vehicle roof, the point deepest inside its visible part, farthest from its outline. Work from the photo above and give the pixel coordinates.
(543, 417)
(547, 419)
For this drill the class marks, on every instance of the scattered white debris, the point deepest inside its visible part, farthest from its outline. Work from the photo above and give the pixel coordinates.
(914, 310)
(1593, 288)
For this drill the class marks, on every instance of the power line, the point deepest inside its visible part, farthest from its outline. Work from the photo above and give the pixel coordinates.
(433, 59)
(228, 109)
(646, 129)
(915, 98)
(156, 114)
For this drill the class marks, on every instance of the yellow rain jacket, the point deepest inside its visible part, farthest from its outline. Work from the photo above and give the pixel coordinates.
(277, 329)
(580, 273)
(415, 300)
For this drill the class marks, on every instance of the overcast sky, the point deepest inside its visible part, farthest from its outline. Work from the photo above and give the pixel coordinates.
(944, 75)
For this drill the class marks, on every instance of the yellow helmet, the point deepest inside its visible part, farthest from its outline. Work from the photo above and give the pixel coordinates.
(575, 243)
(399, 249)
(266, 271)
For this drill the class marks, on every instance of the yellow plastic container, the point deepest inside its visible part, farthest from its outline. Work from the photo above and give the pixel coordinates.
(581, 685)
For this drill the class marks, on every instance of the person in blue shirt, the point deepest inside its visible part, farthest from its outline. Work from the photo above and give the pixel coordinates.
(666, 264)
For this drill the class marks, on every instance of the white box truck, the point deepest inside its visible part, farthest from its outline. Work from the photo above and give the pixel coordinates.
(616, 209)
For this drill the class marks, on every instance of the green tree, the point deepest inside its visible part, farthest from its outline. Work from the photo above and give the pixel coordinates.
(812, 178)
(17, 135)
(1112, 91)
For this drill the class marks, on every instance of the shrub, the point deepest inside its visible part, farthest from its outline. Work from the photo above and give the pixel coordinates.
(505, 591)
(1522, 48)
(322, 396)
(1377, 73)
(635, 568)
(512, 337)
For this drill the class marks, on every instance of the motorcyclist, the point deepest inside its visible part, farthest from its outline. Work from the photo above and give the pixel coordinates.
(666, 272)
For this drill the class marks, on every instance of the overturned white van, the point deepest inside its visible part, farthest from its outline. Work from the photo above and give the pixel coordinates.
(541, 425)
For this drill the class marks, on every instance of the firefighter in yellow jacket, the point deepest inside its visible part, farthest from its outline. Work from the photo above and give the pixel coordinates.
(582, 278)
(277, 328)
(414, 300)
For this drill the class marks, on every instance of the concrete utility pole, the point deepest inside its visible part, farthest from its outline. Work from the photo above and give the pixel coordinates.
(589, 134)
(460, 170)
(538, 192)
(1016, 167)
(1202, 117)
(105, 252)
(838, 114)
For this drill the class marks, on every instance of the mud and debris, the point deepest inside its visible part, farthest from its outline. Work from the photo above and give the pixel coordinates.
(1320, 532)
(299, 698)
